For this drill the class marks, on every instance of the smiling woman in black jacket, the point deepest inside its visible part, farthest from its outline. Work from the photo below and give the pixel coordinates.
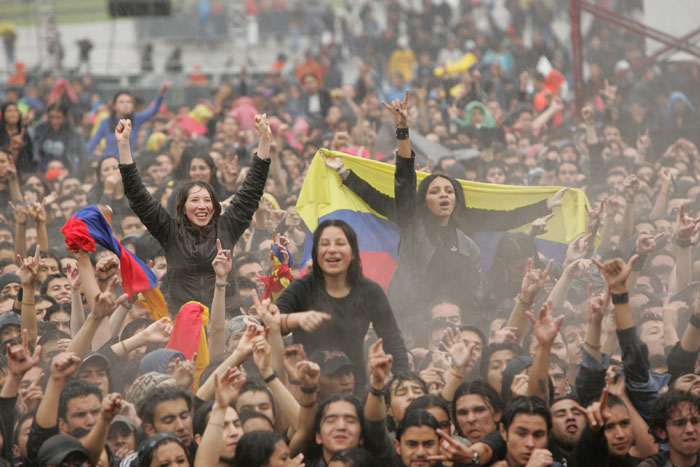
(189, 240)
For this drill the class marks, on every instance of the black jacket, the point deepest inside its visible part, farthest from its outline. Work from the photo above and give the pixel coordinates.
(190, 273)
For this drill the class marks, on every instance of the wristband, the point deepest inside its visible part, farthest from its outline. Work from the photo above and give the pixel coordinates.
(312, 390)
(310, 404)
(456, 375)
(295, 382)
(523, 302)
(695, 320)
(683, 243)
(402, 133)
(376, 392)
(620, 298)
(269, 379)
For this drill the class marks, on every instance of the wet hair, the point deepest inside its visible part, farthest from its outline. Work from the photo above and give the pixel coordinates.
(150, 444)
(255, 386)
(528, 405)
(59, 106)
(72, 389)
(416, 417)
(188, 231)
(255, 448)
(57, 308)
(339, 396)
(146, 408)
(666, 404)
(354, 274)
(478, 388)
(399, 378)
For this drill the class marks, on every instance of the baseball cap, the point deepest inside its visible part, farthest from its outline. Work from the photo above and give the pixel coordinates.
(121, 419)
(57, 448)
(97, 358)
(331, 361)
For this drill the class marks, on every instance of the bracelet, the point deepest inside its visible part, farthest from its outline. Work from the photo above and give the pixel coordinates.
(593, 346)
(127, 304)
(221, 284)
(683, 243)
(312, 390)
(295, 382)
(270, 378)
(620, 298)
(402, 133)
(376, 392)
(456, 375)
(695, 320)
(523, 302)
(310, 404)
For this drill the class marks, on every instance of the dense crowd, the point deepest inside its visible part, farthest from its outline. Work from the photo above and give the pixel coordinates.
(586, 360)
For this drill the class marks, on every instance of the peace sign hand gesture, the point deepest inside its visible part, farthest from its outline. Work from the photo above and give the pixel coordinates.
(399, 110)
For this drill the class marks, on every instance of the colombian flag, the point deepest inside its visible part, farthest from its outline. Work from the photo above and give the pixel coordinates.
(323, 196)
(91, 225)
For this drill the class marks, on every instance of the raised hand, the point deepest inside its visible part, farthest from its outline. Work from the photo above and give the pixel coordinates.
(533, 281)
(158, 332)
(505, 334)
(613, 204)
(20, 212)
(123, 131)
(546, 327)
(540, 458)
(539, 226)
(578, 248)
(596, 306)
(19, 358)
(598, 412)
(164, 87)
(223, 263)
(310, 321)
(594, 217)
(111, 406)
(631, 187)
(185, 371)
(228, 386)
(38, 211)
(73, 274)
(309, 374)
(615, 272)
(646, 243)
(29, 267)
(261, 354)
(292, 356)
(105, 303)
(686, 226)
(379, 365)
(252, 330)
(452, 450)
(268, 312)
(399, 110)
(30, 397)
(65, 365)
(460, 352)
(106, 268)
(578, 269)
(262, 127)
(519, 385)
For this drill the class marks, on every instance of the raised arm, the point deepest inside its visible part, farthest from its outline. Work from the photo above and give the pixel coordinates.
(63, 366)
(545, 329)
(665, 183)
(462, 362)
(21, 215)
(227, 385)
(222, 265)
(271, 317)
(77, 313)
(399, 112)
(94, 442)
(38, 212)
(309, 375)
(28, 272)
(631, 187)
(533, 282)
(685, 228)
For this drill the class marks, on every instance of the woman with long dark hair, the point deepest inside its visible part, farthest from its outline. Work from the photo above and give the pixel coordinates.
(262, 449)
(108, 189)
(14, 137)
(199, 166)
(190, 238)
(331, 308)
(123, 108)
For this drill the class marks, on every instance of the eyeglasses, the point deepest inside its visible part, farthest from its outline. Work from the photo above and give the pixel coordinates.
(682, 422)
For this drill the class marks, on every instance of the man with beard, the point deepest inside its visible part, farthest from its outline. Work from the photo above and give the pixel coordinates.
(568, 420)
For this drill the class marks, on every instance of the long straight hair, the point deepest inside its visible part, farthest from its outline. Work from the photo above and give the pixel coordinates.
(354, 274)
(429, 220)
(185, 228)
